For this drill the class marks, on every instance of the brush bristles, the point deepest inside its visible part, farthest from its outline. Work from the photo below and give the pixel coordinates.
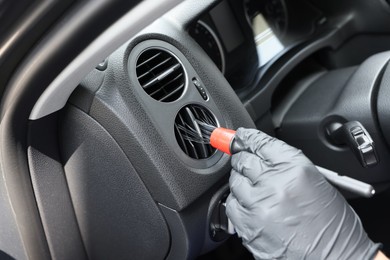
(193, 135)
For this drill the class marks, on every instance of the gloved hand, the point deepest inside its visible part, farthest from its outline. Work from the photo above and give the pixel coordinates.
(283, 208)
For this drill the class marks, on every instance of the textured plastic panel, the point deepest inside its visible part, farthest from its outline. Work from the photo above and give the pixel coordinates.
(83, 95)
(117, 217)
(339, 96)
(352, 52)
(11, 246)
(189, 229)
(143, 127)
(51, 191)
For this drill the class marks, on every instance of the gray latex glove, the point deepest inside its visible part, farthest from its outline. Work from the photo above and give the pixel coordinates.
(283, 208)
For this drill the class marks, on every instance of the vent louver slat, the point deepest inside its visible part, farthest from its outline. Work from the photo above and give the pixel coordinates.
(160, 74)
(187, 118)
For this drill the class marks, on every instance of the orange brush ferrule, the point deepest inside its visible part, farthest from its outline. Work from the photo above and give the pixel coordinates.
(222, 138)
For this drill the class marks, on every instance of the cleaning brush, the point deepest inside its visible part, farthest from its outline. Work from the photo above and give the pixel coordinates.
(218, 137)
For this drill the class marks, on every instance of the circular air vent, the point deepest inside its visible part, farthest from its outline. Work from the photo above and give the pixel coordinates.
(160, 74)
(188, 131)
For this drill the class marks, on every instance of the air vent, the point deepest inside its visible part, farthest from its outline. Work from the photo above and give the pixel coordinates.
(160, 74)
(187, 119)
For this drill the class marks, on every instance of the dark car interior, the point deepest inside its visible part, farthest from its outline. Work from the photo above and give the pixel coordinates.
(93, 162)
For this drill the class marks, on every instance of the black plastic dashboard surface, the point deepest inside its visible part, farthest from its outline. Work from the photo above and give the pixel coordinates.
(143, 130)
(143, 127)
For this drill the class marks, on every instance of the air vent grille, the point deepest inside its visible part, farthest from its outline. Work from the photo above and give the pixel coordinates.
(187, 118)
(160, 74)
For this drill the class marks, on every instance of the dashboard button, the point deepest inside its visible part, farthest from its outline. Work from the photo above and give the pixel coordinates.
(202, 90)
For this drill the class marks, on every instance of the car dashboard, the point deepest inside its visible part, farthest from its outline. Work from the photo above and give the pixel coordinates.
(130, 182)
(237, 63)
